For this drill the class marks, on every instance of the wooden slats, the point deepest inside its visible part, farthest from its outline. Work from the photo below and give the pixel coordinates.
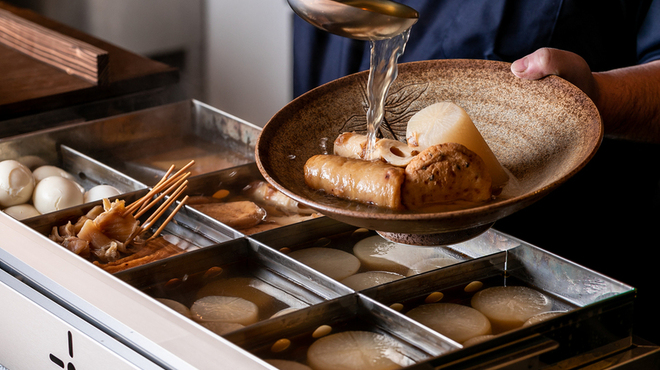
(63, 52)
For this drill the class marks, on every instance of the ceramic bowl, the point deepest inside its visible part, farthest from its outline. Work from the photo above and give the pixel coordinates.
(542, 132)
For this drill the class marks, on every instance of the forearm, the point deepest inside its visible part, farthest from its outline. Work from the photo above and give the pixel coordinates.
(628, 100)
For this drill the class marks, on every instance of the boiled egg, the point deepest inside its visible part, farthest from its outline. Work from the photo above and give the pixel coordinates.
(31, 161)
(22, 211)
(54, 193)
(16, 183)
(42, 172)
(100, 192)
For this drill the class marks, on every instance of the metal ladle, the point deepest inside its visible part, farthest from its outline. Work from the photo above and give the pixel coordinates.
(357, 19)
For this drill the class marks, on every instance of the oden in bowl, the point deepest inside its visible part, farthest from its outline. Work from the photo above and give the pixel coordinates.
(542, 132)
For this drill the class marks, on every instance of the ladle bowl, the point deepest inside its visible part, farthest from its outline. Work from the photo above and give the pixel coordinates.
(357, 19)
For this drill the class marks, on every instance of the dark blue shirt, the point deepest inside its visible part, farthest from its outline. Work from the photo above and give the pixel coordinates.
(607, 33)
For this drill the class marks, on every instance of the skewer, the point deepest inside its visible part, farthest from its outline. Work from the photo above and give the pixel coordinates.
(138, 204)
(161, 185)
(157, 214)
(163, 207)
(169, 218)
(146, 207)
(178, 181)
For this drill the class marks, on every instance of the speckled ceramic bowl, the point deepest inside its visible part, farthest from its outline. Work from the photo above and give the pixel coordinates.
(542, 131)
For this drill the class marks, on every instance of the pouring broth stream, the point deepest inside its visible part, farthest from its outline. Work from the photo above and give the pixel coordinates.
(383, 71)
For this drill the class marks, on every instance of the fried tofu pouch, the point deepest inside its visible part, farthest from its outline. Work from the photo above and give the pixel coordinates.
(355, 179)
(444, 173)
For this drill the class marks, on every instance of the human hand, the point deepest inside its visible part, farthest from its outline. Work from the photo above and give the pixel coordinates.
(565, 64)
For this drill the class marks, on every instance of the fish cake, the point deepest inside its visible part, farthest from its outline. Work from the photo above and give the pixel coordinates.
(368, 182)
(445, 173)
(240, 214)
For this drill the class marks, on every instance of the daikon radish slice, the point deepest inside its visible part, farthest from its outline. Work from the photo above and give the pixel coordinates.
(222, 328)
(334, 263)
(378, 254)
(226, 309)
(176, 306)
(431, 264)
(446, 122)
(284, 311)
(508, 307)
(365, 280)
(455, 321)
(357, 350)
(541, 317)
(478, 339)
(287, 365)
(242, 287)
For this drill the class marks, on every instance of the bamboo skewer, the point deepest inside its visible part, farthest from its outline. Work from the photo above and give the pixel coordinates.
(176, 183)
(138, 204)
(169, 218)
(146, 207)
(159, 187)
(163, 207)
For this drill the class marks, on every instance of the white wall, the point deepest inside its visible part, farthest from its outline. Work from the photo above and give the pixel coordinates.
(145, 27)
(248, 63)
(152, 27)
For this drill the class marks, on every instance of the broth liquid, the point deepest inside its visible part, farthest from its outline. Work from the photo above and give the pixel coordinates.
(383, 71)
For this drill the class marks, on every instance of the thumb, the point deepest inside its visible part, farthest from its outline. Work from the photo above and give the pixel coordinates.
(547, 61)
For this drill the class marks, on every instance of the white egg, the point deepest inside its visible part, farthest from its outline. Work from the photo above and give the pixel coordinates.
(100, 192)
(16, 183)
(54, 193)
(31, 161)
(42, 172)
(22, 211)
